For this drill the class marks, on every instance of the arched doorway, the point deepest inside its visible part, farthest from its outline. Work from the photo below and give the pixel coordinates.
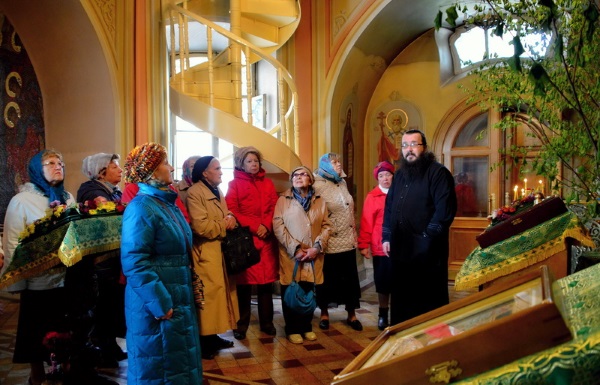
(467, 146)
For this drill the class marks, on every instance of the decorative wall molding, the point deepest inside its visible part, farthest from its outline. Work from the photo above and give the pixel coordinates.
(106, 12)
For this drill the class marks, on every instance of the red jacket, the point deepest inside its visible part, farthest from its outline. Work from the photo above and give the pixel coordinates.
(252, 199)
(131, 190)
(371, 222)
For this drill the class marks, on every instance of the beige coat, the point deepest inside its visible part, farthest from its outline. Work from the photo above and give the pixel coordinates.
(341, 210)
(294, 227)
(207, 215)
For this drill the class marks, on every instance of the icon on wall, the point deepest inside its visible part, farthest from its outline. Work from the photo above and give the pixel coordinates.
(396, 120)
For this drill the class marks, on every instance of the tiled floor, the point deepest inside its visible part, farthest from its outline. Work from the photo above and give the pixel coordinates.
(258, 359)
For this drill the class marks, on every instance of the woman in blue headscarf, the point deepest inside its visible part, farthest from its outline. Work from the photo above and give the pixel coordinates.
(341, 284)
(43, 302)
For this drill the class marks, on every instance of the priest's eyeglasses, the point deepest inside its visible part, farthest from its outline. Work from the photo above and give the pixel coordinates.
(411, 145)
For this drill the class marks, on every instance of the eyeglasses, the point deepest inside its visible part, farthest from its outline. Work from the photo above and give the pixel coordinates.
(298, 175)
(411, 145)
(53, 164)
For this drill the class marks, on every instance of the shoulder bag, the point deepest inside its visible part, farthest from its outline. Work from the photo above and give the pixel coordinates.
(238, 250)
(299, 301)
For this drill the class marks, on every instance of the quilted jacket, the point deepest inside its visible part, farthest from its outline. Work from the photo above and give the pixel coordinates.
(157, 267)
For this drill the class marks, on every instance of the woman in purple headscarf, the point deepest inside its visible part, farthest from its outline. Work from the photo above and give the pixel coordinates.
(186, 181)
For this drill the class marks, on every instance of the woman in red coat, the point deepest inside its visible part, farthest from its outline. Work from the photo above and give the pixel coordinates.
(251, 197)
(370, 238)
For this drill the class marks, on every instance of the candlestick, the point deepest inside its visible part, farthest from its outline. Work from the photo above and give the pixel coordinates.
(515, 195)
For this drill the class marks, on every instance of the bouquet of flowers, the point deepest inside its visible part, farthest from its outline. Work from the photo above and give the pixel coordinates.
(100, 206)
(503, 213)
(57, 214)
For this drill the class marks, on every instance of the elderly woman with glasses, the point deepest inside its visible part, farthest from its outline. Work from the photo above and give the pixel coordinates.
(301, 225)
(43, 301)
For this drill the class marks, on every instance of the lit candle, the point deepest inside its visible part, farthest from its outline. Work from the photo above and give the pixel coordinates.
(522, 193)
(541, 187)
(525, 182)
(515, 195)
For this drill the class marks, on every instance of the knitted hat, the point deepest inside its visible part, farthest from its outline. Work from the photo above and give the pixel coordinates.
(93, 165)
(303, 169)
(242, 153)
(199, 167)
(383, 166)
(142, 161)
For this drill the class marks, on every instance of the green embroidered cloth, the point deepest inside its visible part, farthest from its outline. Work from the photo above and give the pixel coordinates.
(520, 251)
(67, 244)
(576, 362)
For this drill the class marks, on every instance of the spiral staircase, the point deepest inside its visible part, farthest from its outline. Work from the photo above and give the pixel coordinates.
(235, 34)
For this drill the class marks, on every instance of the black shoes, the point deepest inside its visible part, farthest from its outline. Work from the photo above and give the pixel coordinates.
(324, 324)
(239, 335)
(355, 324)
(211, 344)
(270, 330)
(222, 343)
(382, 323)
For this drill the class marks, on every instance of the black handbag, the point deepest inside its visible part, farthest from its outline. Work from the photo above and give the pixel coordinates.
(238, 250)
(296, 299)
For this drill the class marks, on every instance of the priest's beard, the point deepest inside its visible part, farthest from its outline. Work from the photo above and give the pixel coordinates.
(416, 168)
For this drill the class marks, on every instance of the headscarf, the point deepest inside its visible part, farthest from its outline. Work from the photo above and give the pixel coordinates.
(36, 176)
(326, 170)
(242, 153)
(143, 160)
(200, 166)
(383, 166)
(307, 200)
(187, 173)
(93, 165)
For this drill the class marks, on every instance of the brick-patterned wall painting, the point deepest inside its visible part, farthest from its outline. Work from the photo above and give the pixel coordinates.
(22, 123)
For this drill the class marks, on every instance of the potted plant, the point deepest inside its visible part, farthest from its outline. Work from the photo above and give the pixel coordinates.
(556, 89)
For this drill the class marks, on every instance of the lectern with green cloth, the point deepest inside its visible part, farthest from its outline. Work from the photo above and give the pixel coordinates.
(576, 362)
(64, 246)
(537, 245)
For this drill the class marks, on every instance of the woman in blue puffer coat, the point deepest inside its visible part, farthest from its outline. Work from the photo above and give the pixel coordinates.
(162, 327)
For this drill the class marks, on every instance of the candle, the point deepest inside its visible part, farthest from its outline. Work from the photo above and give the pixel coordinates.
(523, 193)
(541, 187)
(515, 195)
(506, 199)
(525, 183)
